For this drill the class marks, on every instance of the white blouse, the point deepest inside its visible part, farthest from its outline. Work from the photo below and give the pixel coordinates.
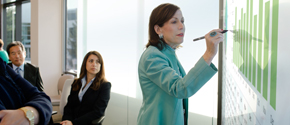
(83, 90)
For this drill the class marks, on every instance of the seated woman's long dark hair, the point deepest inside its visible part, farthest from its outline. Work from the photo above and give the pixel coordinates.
(100, 76)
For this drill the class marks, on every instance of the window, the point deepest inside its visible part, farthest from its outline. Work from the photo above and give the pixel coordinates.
(16, 23)
(8, 1)
(71, 36)
(119, 31)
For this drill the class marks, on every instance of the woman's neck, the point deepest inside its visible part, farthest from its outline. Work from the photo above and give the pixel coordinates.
(90, 77)
(172, 45)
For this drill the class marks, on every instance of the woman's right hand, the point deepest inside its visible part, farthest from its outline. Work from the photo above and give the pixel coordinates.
(212, 45)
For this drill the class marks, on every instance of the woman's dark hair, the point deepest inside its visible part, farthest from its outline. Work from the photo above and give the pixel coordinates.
(159, 16)
(100, 76)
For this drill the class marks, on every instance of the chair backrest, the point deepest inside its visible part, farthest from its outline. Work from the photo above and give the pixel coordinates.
(61, 81)
(64, 94)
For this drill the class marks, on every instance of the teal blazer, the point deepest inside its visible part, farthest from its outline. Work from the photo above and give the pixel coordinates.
(166, 87)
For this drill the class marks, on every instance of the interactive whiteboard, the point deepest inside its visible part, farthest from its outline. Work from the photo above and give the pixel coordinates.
(256, 58)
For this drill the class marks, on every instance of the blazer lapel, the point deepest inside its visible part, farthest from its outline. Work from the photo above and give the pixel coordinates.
(88, 93)
(185, 101)
(26, 71)
(29, 74)
(10, 64)
(181, 70)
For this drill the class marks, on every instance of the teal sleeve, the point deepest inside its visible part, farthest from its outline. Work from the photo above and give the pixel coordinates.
(158, 70)
(4, 56)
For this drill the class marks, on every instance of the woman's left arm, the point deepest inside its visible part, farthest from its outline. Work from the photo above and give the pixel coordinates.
(99, 106)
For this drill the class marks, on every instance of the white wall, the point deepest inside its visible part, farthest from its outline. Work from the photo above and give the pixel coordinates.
(46, 41)
(119, 31)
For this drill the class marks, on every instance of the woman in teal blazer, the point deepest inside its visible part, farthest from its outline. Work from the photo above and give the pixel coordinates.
(165, 86)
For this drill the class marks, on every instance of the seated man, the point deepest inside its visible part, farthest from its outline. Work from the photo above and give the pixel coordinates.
(20, 102)
(17, 54)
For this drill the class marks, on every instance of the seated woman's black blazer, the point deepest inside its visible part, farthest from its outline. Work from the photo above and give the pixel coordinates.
(93, 105)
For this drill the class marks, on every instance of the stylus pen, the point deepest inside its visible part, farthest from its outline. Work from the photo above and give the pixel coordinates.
(214, 33)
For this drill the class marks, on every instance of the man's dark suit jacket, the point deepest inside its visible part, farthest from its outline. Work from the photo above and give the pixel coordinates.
(93, 105)
(32, 75)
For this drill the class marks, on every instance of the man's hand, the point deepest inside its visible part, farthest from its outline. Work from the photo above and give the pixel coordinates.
(66, 122)
(13, 117)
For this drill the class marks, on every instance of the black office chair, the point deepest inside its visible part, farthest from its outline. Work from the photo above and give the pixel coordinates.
(98, 121)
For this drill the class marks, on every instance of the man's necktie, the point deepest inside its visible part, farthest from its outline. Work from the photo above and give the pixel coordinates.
(17, 70)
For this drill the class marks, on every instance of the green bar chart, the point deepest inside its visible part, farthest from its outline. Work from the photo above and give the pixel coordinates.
(255, 65)
(253, 48)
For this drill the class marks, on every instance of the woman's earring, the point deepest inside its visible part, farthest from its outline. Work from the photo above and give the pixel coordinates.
(160, 36)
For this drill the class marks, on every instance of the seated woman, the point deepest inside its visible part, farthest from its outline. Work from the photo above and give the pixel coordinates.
(89, 94)
(21, 102)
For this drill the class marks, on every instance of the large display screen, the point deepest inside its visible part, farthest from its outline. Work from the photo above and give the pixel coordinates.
(256, 54)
